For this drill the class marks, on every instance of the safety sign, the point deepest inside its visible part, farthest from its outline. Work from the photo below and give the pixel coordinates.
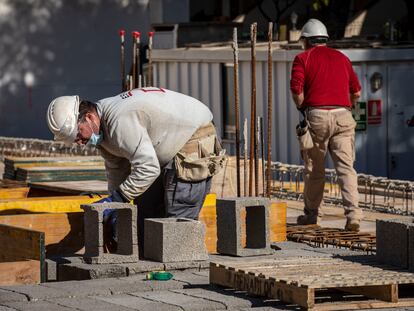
(359, 113)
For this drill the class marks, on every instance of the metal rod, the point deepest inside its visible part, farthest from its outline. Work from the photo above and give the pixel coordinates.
(261, 141)
(134, 59)
(236, 106)
(253, 144)
(269, 108)
(245, 139)
(150, 77)
(138, 58)
(123, 80)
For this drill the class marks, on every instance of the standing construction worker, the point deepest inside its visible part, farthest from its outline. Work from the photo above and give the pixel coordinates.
(160, 148)
(324, 87)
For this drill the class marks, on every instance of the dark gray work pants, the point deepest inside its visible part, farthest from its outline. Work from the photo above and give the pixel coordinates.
(170, 197)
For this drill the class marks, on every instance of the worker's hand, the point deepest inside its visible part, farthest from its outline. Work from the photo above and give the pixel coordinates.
(116, 196)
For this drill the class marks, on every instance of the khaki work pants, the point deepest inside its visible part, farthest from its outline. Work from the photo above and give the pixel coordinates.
(334, 131)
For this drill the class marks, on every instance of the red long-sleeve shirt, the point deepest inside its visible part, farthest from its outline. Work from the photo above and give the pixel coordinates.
(325, 76)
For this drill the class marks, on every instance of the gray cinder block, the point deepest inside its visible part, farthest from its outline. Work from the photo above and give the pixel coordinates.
(126, 226)
(174, 240)
(229, 226)
(392, 242)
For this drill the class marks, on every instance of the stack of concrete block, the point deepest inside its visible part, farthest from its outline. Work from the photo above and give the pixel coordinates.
(174, 240)
(126, 228)
(229, 226)
(395, 243)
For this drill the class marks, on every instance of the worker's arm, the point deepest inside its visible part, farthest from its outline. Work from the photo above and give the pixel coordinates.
(135, 145)
(354, 97)
(297, 82)
(298, 99)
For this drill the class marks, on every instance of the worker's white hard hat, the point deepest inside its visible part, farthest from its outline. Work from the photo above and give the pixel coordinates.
(314, 28)
(62, 118)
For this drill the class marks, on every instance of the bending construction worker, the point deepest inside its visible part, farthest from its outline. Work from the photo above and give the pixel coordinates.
(160, 148)
(324, 87)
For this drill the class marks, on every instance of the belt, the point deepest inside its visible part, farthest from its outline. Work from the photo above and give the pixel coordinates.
(191, 145)
(335, 108)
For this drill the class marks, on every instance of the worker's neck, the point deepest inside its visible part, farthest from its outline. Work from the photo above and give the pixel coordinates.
(309, 46)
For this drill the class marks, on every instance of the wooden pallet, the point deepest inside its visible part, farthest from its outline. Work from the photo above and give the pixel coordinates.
(318, 283)
(340, 238)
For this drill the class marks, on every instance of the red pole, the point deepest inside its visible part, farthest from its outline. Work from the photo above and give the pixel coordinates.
(150, 78)
(122, 37)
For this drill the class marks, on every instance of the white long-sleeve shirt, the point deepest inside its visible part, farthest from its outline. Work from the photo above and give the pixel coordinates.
(143, 130)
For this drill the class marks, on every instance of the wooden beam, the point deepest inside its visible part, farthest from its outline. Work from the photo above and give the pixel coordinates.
(61, 204)
(18, 244)
(20, 272)
(64, 232)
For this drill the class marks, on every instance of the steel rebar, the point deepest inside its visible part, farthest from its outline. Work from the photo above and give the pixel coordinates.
(269, 108)
(236, 106)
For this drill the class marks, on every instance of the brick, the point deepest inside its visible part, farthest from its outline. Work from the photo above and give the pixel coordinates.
(82, 271)
(138, 303)
(229, 226)
(392, 242)
(126, 226)
(174, 240)
(37, 306)
(90, 304)
(185, 302)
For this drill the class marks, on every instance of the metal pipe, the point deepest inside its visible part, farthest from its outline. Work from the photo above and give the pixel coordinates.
(150, 78)
(123, 81)
(261, 141)
(253, 145)
(236, 106)
(269, 107)
(245, 155)
(137, 38)
(134, 59)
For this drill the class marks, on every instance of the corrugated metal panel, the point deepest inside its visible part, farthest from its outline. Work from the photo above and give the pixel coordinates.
(198, 73)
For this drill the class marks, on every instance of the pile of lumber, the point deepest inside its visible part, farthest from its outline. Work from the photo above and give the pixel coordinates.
(12, 189)
(57, 173)
(12, 164)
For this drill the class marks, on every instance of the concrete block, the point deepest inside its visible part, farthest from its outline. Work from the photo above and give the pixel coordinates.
(230, 227)
(392, 242)
(174, 240)
(82, 271)
(138, 303)
(90, 304)
(126, 227)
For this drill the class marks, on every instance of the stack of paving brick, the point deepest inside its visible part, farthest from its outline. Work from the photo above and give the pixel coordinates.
(395, 243)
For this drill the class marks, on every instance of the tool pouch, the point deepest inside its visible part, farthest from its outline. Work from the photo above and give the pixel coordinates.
(304, 136)
(201, 157)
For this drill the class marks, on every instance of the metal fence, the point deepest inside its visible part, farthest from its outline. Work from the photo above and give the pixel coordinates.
(375, 193)
(30, 147)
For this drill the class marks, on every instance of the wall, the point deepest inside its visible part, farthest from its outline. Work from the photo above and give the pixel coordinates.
(198, 72)
(69, 47)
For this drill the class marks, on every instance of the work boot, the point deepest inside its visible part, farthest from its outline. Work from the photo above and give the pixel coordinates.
(308, 220)
(352, 225)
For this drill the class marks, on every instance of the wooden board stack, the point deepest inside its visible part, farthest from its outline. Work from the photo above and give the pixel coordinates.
(323, 283)
(11, 164)
(56, 173)
(12, 189)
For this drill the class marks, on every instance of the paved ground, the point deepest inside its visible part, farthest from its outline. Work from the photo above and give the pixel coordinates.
(188, 290)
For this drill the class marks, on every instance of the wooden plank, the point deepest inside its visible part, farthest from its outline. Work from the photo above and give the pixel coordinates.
(61, 204)
(381, 292)
(18, 244)
(73, 187)
(64, 232)
(20, 272)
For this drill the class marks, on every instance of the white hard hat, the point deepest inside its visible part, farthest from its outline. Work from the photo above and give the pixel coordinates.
(314, 28)
(62, 118)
